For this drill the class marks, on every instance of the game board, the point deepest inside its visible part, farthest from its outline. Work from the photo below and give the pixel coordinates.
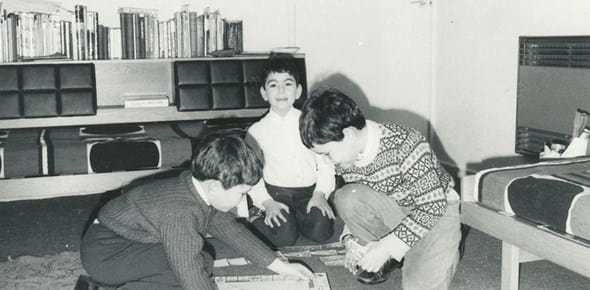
(272, 282)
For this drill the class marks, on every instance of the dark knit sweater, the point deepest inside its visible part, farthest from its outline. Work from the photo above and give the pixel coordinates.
(171, 212)
(407, 170)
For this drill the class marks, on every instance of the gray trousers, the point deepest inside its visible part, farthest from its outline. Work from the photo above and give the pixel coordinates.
(431, 263)
(111, 259)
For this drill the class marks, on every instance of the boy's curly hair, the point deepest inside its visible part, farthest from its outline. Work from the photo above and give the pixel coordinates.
(227, 158)
(325, 115)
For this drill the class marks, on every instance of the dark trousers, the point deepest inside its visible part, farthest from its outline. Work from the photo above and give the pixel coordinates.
(111, 259)
(312, 225)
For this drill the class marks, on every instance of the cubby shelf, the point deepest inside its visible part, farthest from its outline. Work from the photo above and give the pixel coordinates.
(232, 91)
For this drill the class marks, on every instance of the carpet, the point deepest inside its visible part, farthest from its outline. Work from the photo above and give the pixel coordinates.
(55, 272)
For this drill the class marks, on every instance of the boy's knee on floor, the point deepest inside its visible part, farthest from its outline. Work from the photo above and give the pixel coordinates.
(318, 234)
(285, 240)
(284, 235)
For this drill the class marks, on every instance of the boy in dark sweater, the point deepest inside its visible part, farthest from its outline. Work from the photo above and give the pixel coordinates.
(398, 202)
(152, 236)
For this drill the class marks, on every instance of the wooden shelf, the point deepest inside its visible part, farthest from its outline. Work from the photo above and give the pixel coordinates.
(116, 79)
(67, 185)
(129, 115)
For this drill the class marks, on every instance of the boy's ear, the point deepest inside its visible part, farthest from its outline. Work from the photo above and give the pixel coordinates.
(299, 91)
(214, 186)
(263, 93)
(349, 132)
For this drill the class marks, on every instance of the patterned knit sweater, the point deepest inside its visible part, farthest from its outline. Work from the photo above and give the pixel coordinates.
(406, 169)
(171, 212)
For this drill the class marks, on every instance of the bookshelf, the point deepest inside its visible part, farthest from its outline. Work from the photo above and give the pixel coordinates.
(114, 80)
(147, 71)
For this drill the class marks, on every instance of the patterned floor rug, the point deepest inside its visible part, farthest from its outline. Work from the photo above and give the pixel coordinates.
(56, 272)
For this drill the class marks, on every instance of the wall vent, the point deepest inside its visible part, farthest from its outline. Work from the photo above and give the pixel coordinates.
(561, 51)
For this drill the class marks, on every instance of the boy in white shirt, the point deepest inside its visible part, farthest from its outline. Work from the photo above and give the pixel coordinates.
(296, 182)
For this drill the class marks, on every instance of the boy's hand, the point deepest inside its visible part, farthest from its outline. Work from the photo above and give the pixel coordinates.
(319, 200)
(273, 212)
(354, 252)
(291, 269)
(375, 256)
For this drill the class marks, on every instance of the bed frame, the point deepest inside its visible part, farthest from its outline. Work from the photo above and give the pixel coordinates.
(522, 241)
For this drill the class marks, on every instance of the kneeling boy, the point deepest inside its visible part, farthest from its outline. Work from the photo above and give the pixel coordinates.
(399, 201)
(152, 236)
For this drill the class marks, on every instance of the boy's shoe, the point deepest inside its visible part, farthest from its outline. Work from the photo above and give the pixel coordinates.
(254, 213)
(86, 283)
(380, 276)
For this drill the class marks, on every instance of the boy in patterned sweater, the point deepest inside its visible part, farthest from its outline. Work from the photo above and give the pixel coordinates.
(398, 201)
(152, 236)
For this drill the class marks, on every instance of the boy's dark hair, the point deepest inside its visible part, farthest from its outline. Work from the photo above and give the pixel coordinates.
(227, 158)
(280, 63)
(325, 115)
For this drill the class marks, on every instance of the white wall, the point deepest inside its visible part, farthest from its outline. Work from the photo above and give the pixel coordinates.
(475, 68)
(376, 51)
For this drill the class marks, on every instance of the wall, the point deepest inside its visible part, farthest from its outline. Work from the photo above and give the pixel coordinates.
(475, 69)
(376, 51)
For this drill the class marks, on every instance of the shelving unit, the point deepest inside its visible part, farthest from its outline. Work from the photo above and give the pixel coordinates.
(129, 115)
(116, 79)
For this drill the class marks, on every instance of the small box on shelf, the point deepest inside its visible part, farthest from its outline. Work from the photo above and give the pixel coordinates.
(146, 101)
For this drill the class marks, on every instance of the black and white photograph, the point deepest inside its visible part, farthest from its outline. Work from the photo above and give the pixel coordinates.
(294, 144)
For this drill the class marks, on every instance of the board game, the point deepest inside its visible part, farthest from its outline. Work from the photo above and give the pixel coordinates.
(272, 282)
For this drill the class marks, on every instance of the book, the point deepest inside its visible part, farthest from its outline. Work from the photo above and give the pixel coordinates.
(115, 45)
(186, 31)
(127, 36)
(80, 43)
(161, 40)
(172, 51)
(193, 34)
(212, 31)
(200, 35)
(179, 35)
(233, 36)
(140, 48)
(145, 101)
(219, 36)
(91, 34)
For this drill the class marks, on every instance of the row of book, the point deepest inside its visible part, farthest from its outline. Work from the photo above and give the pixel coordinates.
(40, 35)
(32, 35)
(187, 34)
(90, 40)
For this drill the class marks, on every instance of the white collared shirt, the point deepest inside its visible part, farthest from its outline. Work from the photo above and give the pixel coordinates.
(200, 190)
(288, 163)
(371, 147)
